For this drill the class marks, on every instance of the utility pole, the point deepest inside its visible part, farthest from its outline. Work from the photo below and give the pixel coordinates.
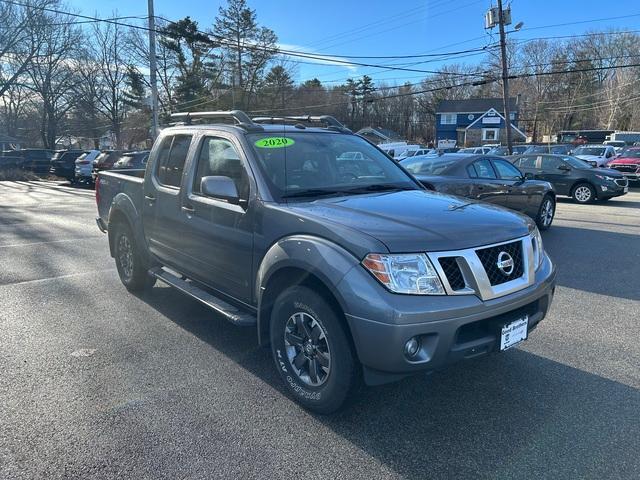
(505, 77)
(153, 70)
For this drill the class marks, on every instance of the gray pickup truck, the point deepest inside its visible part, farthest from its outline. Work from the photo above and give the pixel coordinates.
(348, 268)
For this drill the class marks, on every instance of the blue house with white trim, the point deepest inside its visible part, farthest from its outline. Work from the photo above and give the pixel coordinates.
(476, 121)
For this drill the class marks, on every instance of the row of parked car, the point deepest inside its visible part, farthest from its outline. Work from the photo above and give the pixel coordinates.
(528, 183)
(77, 166)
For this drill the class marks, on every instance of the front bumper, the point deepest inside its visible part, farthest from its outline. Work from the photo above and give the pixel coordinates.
(612, 189)
(83, 174)
(450, 328)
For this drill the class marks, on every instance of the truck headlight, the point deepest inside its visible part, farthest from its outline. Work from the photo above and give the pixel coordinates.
(410, 273)
(538, 248)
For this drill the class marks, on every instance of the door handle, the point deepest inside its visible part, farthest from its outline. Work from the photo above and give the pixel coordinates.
(188, 209)
(151, 198)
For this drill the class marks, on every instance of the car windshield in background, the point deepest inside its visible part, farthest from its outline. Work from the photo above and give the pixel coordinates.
(577, 163)
(428, 166)
(519, 149)
(311, 165)
(597, 151)
(500, 151)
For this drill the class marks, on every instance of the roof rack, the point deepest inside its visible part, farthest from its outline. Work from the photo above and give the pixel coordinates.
(241, 118)
(327, 120)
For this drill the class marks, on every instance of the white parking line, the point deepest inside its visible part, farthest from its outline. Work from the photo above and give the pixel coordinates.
(70, 275)
(46, 243)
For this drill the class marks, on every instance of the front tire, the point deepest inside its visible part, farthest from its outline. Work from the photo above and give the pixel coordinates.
(131, 266)
(584, 193)
(312, 351)
(546, 213)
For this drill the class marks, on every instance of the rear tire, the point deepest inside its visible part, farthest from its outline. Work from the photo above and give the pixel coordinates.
(132, 268)
(311, 350)
(546, 213)
(583, 193)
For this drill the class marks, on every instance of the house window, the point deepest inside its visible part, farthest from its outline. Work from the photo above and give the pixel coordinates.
(490, 134)
(448, 119)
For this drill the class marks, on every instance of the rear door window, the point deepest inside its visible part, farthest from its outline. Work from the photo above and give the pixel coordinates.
(171, 159)
(550, 164)
(526, 162)
(484, 169)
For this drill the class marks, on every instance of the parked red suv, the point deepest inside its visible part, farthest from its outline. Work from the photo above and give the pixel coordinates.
(628, 163)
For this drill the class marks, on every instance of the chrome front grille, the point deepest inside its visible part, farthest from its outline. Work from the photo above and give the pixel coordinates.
(490, 258)
(625, 168)
(622, 182)
(475, 271)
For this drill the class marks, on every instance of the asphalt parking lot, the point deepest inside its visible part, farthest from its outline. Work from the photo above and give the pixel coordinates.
(98, 383)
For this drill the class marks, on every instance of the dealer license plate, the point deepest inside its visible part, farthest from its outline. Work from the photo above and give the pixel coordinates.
(513, 333)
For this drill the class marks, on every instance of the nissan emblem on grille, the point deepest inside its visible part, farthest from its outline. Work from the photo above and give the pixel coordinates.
(505, 263)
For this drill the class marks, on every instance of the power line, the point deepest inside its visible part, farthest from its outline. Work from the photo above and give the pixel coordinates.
(226, 43)
(451, 87)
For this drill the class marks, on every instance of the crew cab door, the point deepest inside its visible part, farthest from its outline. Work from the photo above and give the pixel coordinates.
(161, 213)
(219, 234)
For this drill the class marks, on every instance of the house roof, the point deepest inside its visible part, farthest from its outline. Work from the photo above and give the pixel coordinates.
(379, 131)
(494, 111)
(475, 105)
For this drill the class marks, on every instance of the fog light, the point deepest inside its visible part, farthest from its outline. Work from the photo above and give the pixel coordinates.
(411, 347)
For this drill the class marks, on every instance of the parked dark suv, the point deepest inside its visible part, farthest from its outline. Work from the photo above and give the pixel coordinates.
(105, 161)
(10, 159)
(573, 177)
(63, 163)
(132, 160)
(35, 160)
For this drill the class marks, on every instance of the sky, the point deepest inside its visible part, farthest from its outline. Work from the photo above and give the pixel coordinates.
(383, 27)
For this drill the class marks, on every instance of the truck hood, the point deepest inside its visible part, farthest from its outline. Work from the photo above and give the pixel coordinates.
(591, 157)
(625, 161)
(418, 221)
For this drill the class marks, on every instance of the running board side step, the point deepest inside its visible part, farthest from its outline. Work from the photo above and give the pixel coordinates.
(231, 313)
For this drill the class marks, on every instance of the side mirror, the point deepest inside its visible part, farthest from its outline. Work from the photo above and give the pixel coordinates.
(528, 176)
(219, 187)
(564, 167)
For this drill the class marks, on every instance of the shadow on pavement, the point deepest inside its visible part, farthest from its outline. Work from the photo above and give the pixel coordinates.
(574, 251)
(613, 202)
(511, 415)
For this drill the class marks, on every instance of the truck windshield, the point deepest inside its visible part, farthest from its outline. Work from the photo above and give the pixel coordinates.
(598, 151)
(312, 164)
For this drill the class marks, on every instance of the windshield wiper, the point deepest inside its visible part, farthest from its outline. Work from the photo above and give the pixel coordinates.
(379, 187)
(312, 192)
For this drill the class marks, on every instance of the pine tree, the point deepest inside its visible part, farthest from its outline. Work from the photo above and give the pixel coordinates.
(135, 94)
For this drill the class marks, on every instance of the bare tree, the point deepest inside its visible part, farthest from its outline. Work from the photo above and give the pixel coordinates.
(20, 38)
(108, 51)
(51, 73)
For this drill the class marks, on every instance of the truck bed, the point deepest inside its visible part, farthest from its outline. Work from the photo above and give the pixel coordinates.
(111, 183)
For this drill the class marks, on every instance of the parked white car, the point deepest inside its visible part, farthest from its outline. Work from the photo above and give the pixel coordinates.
(84, 165)
(414, 153)
(596, 155)
(475, 150)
